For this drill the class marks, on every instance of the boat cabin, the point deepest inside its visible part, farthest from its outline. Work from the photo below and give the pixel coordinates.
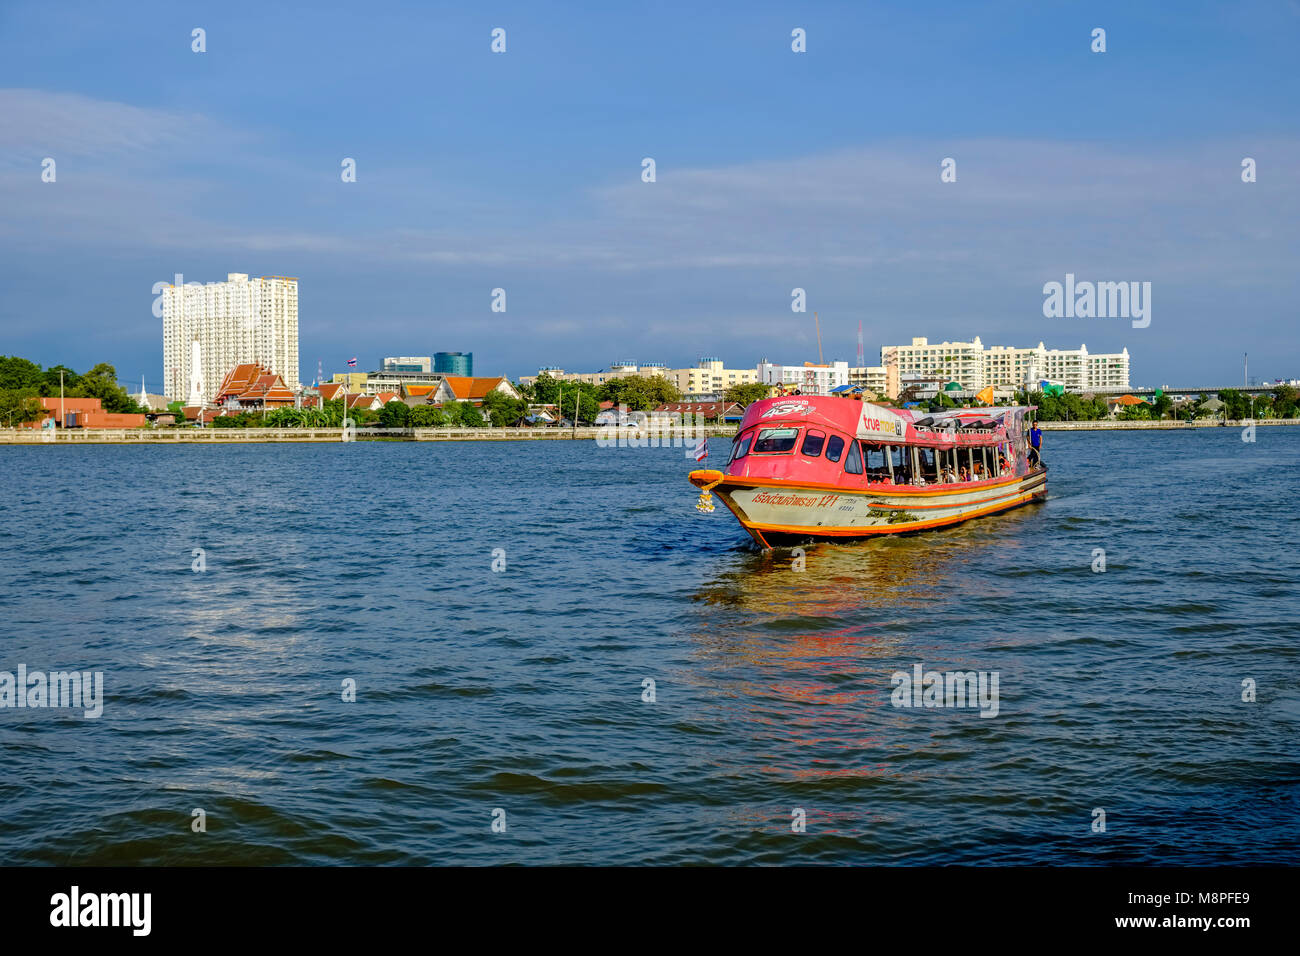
(845, 442)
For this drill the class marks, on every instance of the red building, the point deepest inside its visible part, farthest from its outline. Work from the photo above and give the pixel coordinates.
(84, 413)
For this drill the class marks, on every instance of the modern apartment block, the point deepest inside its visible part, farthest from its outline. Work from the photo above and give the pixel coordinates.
(975, 366)
(881, 379)
(808, 378)
(709, 377)
(236, 322)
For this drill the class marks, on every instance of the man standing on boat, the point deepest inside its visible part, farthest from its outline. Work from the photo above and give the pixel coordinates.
(1035, 444)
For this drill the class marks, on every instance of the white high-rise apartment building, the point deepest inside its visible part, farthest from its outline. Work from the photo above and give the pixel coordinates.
(975, 366)
(238, 321)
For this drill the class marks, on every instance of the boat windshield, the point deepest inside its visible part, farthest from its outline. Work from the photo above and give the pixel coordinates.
(775, 440)
(741, 448)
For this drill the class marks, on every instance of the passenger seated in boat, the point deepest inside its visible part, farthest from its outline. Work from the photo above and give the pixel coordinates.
(950, 475)
(965, 475)
(1003, 465)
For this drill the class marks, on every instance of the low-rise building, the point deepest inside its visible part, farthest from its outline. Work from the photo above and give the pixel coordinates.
(703, 411)
(84, 413)
(465, 389)
(457, 388)
(709, 376)
(807, 379)
(355, 381)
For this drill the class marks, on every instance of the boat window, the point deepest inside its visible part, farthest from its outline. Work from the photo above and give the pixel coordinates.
(812, 443)
(834, 447)
(902, 464)
(853, 463)
(775, 440)
(927, 461)
(874, 457)
(741, 448)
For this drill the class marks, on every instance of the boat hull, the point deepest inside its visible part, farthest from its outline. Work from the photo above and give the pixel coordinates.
(777, 512)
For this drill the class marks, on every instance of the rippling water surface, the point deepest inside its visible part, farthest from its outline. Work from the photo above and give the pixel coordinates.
(522, 690)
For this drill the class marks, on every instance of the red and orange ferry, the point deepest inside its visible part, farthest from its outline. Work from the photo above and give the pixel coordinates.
(826, 467)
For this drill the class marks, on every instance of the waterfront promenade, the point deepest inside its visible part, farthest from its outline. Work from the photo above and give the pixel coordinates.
(241, 436)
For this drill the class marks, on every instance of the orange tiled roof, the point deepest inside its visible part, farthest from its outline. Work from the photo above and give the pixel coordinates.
(471, 389)
(253, 383)
(386, 397)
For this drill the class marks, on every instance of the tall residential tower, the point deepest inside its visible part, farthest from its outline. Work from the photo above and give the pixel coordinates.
(236, 322)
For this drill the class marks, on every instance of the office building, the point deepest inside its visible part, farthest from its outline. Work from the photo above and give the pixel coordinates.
(454, 363)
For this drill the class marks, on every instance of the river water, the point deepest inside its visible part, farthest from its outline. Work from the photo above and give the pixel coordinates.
(519, 695)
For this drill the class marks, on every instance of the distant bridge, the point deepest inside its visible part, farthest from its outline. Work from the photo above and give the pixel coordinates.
(1187, 390)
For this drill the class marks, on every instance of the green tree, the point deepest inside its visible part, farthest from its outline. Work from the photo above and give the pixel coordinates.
(640, 393)
(588, 406)
(19, 373)
(19, 406)
(426, 416)
(504, 411)
(1237, 403)
(462, 415)
(101, 383)
(50, 380)
(394, 414)
(746, 393)
(545, 391)
(1285, 402)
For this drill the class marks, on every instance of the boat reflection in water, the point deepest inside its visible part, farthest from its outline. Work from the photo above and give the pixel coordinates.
(798, 666)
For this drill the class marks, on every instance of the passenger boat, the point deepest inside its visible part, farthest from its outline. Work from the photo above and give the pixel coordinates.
(814, 467)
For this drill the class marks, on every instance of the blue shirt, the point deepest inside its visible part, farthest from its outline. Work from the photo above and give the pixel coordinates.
(1036, 437)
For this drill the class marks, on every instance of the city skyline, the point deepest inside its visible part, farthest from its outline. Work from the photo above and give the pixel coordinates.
(478, 171)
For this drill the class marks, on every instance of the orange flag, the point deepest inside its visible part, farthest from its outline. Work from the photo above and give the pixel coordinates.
(985, 394)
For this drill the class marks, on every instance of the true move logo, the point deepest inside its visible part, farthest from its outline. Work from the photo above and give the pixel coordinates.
(75, 908)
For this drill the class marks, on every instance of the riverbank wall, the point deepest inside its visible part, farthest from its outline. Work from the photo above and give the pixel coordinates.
(659, 437)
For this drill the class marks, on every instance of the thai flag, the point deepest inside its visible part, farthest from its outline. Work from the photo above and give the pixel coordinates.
(352, 362)
(701, 449)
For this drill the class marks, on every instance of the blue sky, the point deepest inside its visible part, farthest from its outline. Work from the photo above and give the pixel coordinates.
(775, 170)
